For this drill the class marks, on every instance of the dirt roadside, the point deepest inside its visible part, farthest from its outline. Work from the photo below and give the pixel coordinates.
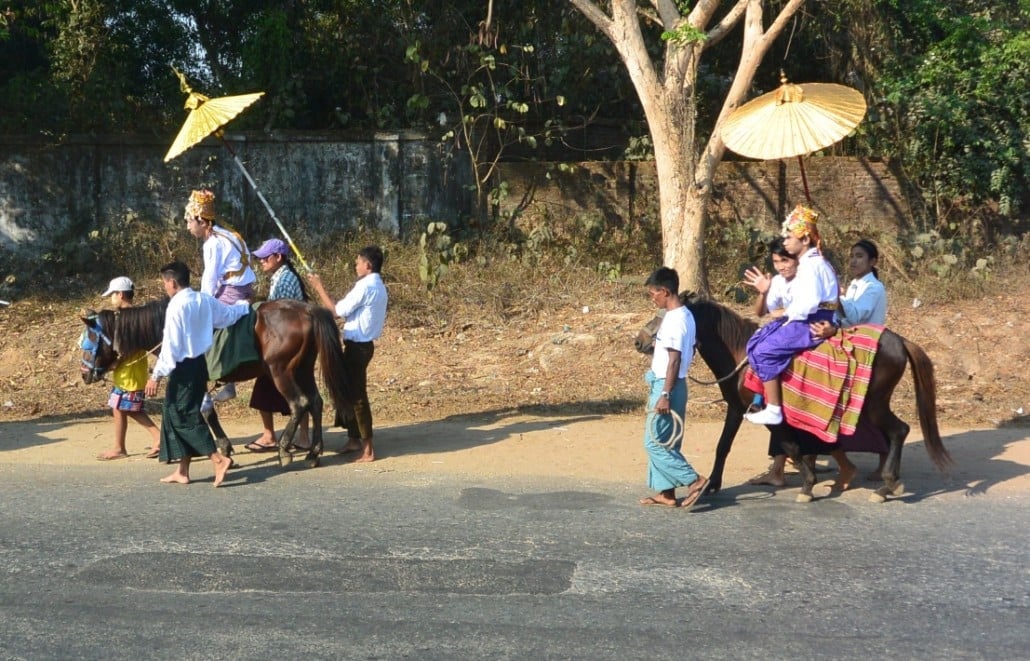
(582, 451)
(556, 396)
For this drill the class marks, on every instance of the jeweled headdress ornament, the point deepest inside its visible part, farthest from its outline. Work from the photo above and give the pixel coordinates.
(801, 222)
(201, 204)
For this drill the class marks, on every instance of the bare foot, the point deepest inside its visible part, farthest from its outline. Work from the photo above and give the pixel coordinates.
(365, 457)
(768, 478)
(221, 468)
(660, 499)
(844, 477)
(176, 478)
(111, 455)
(353, 445)
(368, 451)
(266, 440)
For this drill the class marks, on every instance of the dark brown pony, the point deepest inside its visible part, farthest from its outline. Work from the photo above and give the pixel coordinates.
(288, 335)
(722, 337)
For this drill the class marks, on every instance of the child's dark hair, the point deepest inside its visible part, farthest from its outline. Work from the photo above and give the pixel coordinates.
(869, 248)
(129, 294)
(666, 278)
(776, 247)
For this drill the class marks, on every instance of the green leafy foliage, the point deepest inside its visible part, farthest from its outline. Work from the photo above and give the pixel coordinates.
(437, 252)
(964, 108)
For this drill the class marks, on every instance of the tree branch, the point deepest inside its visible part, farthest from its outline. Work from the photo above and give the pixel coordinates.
(669, 13)
(702, 13)
(594, 14)
(756, 44)
(726, 25)
(780, 21)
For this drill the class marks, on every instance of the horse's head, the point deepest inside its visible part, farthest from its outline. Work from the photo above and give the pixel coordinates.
(645, 337)
(98, 354)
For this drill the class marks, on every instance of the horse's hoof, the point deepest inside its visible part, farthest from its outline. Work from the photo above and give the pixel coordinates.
(313, 462)
(803, 498)
(285, 458)
(899, 489)
(877, 497)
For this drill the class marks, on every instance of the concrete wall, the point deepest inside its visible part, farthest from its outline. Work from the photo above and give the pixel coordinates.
(319, 184)
(316, 184)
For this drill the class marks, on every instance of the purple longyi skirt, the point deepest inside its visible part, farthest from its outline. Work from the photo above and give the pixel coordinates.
(771, 349)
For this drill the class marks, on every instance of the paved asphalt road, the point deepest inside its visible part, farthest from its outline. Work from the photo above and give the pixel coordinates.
(102, 562)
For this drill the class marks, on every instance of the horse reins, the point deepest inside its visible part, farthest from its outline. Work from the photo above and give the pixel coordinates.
(736, 371)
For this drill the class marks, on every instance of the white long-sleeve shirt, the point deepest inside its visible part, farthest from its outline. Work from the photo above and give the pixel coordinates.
(363, 309)
(223, 253)
(190, 322)
(865, 302)
(815, 283)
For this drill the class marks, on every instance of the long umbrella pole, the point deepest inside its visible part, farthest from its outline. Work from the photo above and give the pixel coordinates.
(804, 179)
(268, 206)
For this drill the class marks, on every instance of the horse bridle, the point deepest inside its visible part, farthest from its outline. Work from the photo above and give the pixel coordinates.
(92, 346)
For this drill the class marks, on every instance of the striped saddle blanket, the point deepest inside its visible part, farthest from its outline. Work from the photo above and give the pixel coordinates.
(824, 389)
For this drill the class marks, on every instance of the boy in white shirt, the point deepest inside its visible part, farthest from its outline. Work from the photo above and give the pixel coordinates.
(667, 382)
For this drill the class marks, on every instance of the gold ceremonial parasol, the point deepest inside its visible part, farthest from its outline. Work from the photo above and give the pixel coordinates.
(793, 120)
(207, 117)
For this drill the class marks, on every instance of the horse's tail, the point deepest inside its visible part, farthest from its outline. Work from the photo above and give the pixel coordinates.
(926, 403)
(330, 356)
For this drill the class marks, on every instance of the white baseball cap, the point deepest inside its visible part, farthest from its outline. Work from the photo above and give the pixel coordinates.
(120, 283)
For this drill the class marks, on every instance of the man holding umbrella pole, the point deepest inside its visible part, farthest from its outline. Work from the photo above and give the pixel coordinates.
(363, 311)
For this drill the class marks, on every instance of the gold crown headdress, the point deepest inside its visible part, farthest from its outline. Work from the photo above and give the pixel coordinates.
(801, 222)
(201, 204)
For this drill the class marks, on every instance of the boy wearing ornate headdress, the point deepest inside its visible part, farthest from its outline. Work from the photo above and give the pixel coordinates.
(813, 298)
(227, 274)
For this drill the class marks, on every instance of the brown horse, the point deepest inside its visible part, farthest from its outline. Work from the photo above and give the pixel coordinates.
(288, 335)
(722, 337)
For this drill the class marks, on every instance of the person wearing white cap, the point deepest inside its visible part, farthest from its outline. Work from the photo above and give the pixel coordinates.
(129, 379)
(274, 258)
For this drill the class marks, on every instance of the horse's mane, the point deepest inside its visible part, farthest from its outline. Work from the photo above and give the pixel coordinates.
(713, 319)
(135, 329)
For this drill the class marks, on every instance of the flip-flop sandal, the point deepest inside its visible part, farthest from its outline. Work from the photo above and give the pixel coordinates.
(153, 454)
(257, 447)
(694, 496)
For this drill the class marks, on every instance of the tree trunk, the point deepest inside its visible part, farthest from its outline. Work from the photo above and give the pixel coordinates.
(683, 206)
(684, 176)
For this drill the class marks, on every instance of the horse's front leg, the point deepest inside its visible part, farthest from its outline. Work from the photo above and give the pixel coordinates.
(730, 426)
